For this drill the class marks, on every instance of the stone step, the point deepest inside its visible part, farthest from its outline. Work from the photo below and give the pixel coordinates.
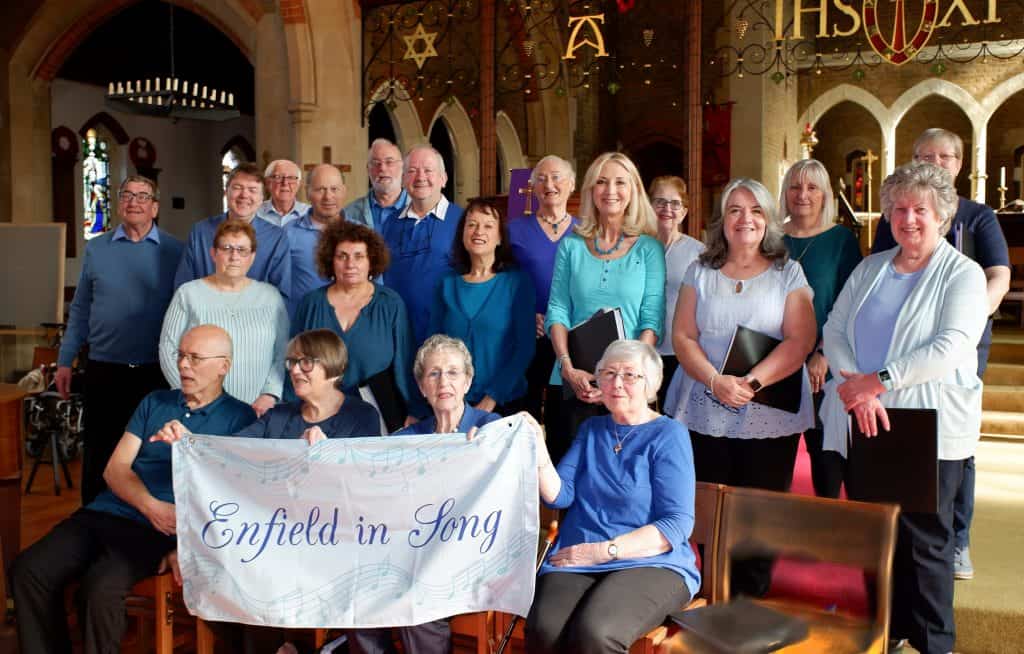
(1004, 374)
(1002, 423)
(1003, 398)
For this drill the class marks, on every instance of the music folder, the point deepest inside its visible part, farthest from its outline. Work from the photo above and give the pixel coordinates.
(748, 348)
(743, 626)
(900, 466)
(589, 339)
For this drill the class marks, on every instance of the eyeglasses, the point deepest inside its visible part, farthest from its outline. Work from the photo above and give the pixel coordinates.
(384, 163)
(195, 359)
(661, 203)
(452, 374)
(240, 250)
(306, 364)
(284, 179)
(142, 197)
(554, 178)
(936, 158)
(629, 378)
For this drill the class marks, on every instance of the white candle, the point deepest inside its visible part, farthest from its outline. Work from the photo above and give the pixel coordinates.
(147, 86)
(110, 91)
(120, 88)
(175, 83)
(231, 99)
(158, 84)
(1002, 176)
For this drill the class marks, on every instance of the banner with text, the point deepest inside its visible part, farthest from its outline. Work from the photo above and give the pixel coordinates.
(357, 532)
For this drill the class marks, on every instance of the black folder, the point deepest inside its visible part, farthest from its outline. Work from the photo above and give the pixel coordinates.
(900, 466)
(389, 399)
(750, 347)
(589, 339)
(743, 627)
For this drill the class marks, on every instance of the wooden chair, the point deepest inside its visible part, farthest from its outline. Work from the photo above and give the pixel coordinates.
(758, 522)
(479, 629)
(159, 598)
(707, 515)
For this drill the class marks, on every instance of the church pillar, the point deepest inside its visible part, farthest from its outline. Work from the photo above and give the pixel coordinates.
(273, 130)
(488, 128)
(695, 122)
(30, 195)
(888, 148)
(979, 161)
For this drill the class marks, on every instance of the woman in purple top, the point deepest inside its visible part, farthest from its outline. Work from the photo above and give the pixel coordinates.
(534, 241)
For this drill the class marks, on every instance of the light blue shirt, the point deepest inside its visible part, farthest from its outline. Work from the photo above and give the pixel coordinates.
(303, 235)
(269, 213)
(877, 317)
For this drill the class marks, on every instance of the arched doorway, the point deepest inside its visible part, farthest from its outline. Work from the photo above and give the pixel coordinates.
(441, 141)
(1006, 150)
(937, 111)
(659, 158)
(842, 151)
(379, 125)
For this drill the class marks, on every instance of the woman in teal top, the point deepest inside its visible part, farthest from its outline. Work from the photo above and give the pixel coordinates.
(613, 260)
(828, 254)
(488, 304)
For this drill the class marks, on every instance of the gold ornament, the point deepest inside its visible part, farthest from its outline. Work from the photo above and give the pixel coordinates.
(648, 36)
(428, 46)
(742, 25)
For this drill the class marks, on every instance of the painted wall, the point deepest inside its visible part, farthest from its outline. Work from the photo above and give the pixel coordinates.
(188, 154)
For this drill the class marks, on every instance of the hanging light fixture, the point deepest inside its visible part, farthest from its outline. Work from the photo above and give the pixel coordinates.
(171, 97)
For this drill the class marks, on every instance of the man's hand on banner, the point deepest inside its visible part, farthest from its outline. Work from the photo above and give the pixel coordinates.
(314, 435)
(171, 432)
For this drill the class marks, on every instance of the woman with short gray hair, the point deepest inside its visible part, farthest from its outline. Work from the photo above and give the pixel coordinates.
(828, 253)
(903, 333)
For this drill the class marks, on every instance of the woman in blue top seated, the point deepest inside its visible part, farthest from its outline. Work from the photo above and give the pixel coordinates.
(622, 561)
(444, 372)
(612, 260)
(371, 319)
(486, 303)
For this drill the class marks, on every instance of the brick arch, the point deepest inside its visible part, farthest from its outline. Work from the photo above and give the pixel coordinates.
(98, 12)
(110, 123)
(407, 124)
(467, 150)
(943, 89)
(1001, 93)
(846, 93)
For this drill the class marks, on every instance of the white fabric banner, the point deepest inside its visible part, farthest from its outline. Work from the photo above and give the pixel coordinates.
(357, 532)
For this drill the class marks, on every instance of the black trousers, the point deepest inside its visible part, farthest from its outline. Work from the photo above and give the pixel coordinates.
(754, 463)
(537, 376)
(922, 594)
(112, 392)
(108, 554)
(592, 613)
(669, 363)
(828, 468)
(427, 638)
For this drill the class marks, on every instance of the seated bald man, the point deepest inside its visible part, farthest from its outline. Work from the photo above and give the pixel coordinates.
(124, 534)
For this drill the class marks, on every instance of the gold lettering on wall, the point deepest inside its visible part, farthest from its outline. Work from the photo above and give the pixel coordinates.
(854, 17)
(799, 10)
(965, 14)
(580, 21)
(850, 22)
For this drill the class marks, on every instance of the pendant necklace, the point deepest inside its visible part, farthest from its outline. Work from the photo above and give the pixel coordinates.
(612, 249)
(556, 224)
(806, 248)
(619, 441)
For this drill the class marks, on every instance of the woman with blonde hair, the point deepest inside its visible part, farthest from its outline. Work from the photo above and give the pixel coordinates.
(612, 260)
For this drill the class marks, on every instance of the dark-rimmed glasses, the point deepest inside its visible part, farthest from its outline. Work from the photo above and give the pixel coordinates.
(195, 359)
(306, 364)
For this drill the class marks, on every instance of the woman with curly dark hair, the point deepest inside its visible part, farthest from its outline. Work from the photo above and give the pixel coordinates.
(487, 303)
(371, 319)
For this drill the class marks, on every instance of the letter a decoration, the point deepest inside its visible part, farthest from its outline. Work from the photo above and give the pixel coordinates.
(898, 50)
(577, 23)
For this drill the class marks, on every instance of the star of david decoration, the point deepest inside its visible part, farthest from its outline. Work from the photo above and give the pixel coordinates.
(420, 57)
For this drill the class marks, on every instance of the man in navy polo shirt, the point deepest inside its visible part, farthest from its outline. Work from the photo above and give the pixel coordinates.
(124, 534)
(123, 291)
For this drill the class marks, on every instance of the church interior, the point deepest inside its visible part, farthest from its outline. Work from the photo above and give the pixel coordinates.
(705, 90)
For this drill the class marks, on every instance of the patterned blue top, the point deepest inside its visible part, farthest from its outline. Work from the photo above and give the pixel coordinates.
(152, 464)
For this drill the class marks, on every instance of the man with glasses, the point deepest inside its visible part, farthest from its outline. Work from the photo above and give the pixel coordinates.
(420, 237)
(386, 197)
(325, 189)
(244, 193)
(282, 178)
(125, 285)
(974, 231)
(124, 535)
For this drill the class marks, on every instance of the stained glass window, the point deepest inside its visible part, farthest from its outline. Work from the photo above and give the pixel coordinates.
(95, 185)
(228, 162)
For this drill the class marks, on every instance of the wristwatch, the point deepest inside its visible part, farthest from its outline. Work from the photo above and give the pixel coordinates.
(613, 550)
(754, 384)
(885, 378)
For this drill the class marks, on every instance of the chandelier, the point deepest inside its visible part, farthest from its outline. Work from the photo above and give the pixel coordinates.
(171, 97)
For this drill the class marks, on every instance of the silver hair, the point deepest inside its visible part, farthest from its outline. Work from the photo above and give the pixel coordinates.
(380, 141)
(922, 180)
(933, 134)
(429, 148)
(772, 245)
(636, 352)
(438, 343)
(269, 170)
(813, 171)
(562, 163)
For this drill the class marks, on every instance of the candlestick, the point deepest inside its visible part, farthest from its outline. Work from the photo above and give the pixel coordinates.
(1002, 176)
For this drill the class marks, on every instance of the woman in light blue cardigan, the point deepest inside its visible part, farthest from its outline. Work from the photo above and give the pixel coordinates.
(613, 260)
(903, 333)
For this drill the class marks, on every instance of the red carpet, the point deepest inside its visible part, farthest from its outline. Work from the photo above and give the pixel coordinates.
(823, 585)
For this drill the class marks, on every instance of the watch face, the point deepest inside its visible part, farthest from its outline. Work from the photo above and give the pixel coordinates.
(613, 550)
(755, 385)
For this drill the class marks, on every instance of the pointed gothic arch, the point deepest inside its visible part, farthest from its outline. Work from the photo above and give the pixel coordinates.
(466, 149)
